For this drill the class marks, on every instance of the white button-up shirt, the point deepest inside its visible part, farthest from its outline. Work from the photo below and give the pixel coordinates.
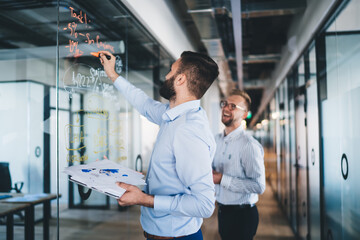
(240, 158)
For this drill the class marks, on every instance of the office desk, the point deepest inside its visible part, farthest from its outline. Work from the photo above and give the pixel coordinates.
(8, 210)
(31, 200)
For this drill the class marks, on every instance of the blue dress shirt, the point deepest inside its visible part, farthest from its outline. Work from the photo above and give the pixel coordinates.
(179, 174)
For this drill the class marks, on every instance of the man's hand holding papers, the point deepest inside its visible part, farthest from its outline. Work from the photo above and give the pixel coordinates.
(134, 196)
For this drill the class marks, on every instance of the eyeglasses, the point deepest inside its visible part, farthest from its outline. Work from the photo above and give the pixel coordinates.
(232, 106)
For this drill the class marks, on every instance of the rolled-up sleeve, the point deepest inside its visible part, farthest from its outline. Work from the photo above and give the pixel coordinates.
(193, 166)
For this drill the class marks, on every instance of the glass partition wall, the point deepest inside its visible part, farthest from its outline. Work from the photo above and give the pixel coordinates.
(59, 109)
(340, 98)
(319, 132)
(92, 129)
(28, 43)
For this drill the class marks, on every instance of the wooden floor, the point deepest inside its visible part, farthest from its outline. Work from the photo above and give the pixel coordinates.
(77, 224)
(273, 223)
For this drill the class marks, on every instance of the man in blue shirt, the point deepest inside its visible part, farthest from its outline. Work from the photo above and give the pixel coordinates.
(180, 189)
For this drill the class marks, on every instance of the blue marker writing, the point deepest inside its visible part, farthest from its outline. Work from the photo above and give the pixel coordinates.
(108, 170)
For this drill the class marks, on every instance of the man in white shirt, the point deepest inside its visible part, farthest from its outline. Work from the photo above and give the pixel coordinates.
(238, 171)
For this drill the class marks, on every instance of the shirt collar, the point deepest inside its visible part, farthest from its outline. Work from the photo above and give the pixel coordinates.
(173, 113)
(237, 132)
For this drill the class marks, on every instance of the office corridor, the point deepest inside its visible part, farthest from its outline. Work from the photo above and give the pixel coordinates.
(298, 60)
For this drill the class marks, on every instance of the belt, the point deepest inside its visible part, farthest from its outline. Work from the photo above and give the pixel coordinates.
(241, 206)
(150, 236)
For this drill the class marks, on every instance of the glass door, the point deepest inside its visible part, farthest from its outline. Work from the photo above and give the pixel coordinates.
(292, 152)
(340, 98)
(301, 153)
(94, 129)
(313, 148)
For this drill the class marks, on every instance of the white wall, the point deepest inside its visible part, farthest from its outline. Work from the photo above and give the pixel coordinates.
(35, 137)
(210, 102)
(40, 70)
(21, 111)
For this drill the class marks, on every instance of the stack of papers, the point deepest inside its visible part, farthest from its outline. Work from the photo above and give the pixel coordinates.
(103, 175)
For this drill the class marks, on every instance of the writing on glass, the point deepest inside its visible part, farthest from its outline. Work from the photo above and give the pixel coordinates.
(81, 36)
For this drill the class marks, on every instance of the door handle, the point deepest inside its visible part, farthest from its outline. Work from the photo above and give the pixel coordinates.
(344, 160)
(313, 156)
(139, 163)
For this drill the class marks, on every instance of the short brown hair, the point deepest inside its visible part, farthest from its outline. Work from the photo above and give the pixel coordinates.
(244, 95)
(200, 71)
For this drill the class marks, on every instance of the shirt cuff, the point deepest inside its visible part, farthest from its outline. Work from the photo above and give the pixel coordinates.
(162, 203)
(225, 181)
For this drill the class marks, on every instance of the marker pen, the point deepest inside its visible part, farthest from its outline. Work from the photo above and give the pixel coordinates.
(97, 54)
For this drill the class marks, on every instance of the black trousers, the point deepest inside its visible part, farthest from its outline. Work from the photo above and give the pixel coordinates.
(237, 222)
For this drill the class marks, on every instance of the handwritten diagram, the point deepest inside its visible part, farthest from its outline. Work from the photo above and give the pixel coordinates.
(80, 77)
(81, 36)
(95, 127)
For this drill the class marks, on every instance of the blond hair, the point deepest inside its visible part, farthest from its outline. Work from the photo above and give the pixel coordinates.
(244, 95)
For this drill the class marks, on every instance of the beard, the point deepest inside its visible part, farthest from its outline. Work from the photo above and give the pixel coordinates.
(227, 120)
(167, 90)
